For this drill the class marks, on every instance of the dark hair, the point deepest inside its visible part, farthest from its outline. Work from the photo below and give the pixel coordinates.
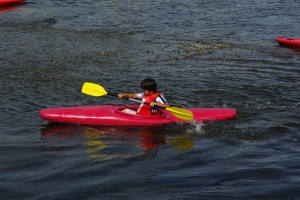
(149, 84)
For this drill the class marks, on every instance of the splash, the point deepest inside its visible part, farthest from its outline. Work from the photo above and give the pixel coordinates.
(196, 127)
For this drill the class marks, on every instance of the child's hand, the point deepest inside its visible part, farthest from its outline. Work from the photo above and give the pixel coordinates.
(152, 104)
(120, 96)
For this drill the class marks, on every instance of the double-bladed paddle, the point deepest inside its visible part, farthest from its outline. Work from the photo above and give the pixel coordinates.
(94, 89)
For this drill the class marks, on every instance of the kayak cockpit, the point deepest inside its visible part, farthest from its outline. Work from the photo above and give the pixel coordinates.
(131, 110)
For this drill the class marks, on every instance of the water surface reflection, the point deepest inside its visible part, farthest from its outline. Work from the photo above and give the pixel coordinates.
(104, 143)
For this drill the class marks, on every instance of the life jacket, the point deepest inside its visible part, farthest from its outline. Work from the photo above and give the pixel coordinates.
(145, 109)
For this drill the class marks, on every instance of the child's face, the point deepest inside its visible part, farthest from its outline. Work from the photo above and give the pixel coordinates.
(147, 92)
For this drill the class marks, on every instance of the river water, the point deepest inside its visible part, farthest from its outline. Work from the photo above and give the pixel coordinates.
(202, 54)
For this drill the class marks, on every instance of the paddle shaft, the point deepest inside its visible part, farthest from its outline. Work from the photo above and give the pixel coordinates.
(115, 94)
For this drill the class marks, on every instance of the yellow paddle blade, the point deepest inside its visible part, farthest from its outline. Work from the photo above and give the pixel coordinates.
(93, 89)
(181, 113)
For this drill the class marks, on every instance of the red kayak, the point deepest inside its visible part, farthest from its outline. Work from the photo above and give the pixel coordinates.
(10, 2)
(292, 42)
(109, 115)
(10, 8)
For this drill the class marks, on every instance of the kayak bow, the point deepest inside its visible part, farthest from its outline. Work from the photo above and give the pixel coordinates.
(292, 42)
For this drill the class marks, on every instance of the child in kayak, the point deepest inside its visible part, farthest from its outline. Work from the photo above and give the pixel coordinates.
(153, 99)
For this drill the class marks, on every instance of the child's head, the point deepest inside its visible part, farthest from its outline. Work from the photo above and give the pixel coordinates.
(149, 84)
